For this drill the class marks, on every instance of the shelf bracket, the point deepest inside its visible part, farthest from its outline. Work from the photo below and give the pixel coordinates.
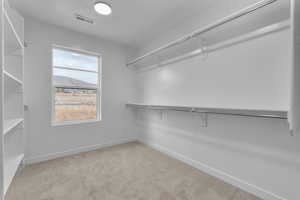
(161, 115)
(292, 132)
(203, 116)
(203, 46)
(204, 120)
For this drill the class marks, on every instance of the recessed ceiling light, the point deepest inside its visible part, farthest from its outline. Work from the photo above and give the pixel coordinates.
(102, 8)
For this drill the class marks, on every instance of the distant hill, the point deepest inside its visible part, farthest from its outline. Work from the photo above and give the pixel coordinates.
(71, 82)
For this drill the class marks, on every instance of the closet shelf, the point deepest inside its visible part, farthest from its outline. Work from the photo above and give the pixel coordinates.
(11, 124)
(9, 77)
(279, 114)
(156, 57)
(246, 37)
(10, 169)
(12, 97)
(13, 31)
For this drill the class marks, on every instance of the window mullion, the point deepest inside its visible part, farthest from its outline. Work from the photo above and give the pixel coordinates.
(74, 69)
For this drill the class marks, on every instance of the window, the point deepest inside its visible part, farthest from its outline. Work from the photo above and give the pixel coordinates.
(76, 86)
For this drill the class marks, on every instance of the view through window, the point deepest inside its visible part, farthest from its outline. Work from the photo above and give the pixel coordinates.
(76, 86)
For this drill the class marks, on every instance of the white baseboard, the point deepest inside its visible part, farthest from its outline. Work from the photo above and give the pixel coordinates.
(52, 156)
(217, 173)
(196, 164)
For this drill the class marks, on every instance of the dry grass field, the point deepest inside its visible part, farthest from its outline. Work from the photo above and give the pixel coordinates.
(70, 106)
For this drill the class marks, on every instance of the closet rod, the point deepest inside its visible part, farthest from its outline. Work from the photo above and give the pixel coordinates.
(221, 45)
(218, 111)
(216, 24)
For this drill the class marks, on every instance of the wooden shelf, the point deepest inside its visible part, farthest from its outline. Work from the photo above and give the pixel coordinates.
(10, 168)
(11, 124)
(280, 114)
(11, 78)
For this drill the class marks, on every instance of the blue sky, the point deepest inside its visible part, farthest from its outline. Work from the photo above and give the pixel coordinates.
(75, 60)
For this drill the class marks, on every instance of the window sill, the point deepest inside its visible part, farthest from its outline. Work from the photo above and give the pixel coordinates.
(68, 123)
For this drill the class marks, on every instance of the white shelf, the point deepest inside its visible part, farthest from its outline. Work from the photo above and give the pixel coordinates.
(202, 40)
(11, 124)
(10, 168)
(16, 20)
(11, 78)
(12, 152)
(279, 114)
(174, 55)
(11, 36)
(13, 65)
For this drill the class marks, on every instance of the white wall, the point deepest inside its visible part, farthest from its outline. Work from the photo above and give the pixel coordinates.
(256, 154)
(45, 141)
(250, 75)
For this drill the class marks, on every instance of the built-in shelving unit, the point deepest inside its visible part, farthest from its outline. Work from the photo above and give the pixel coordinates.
(12, 107)
(206, 40)
(196, 43)
(279, 114)
(11, 124)
(11, 79)
(10, 169)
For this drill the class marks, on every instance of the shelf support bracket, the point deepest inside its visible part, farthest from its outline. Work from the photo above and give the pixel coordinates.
(292, 133)
(204, 118)
(203, 46)
(161, 114)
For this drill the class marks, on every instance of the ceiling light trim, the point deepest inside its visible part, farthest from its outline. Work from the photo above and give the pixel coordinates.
(103, 8)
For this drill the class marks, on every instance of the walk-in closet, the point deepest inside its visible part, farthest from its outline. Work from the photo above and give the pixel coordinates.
(150, 100)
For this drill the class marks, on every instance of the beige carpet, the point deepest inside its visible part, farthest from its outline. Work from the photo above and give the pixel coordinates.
(131, 171)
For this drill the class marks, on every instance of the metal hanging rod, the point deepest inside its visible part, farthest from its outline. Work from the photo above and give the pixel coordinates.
(230, 42)
(277, 114)
(207, 28)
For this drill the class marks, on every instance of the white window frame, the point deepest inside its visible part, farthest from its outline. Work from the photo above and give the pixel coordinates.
(98, 88)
